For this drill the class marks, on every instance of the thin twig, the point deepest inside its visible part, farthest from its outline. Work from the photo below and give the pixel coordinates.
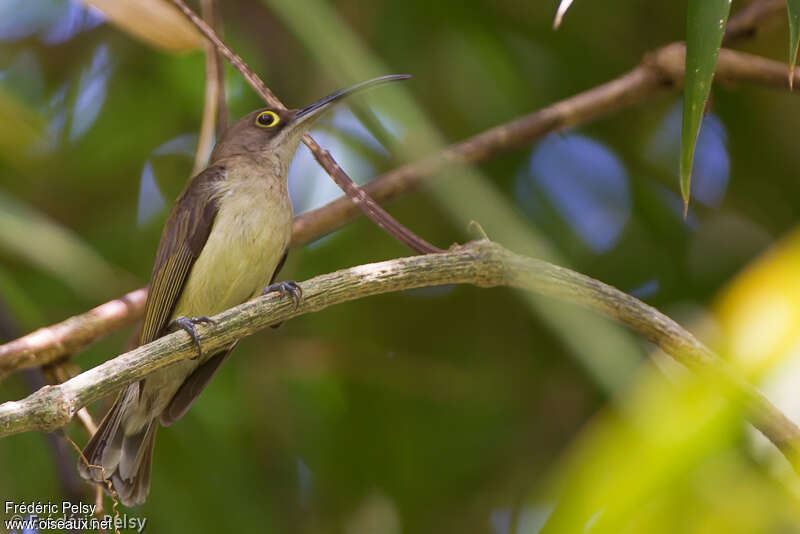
(211, 101)
(361, 199)
(98, 488)
(358, 197)
(57, 373)
(210, 9)
(480, 263)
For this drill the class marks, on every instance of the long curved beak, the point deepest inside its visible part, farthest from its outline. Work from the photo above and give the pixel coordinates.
(312, 111)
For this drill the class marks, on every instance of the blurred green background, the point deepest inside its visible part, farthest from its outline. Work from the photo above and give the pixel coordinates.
(451, 409)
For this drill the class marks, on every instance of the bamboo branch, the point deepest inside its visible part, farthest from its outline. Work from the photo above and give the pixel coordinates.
(659, 71)
(481, 263)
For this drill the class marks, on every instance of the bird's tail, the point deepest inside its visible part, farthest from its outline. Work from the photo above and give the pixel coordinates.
(122, 458)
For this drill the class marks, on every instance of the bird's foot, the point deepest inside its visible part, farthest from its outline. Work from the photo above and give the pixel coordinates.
(187, 324)
(286, 288)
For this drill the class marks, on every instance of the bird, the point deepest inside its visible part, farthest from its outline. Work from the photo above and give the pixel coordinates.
(223, 243)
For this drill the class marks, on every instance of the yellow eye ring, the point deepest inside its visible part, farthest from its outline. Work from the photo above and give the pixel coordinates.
(267, 119)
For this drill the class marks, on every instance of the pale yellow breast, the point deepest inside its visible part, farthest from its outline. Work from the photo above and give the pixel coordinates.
(251, 232)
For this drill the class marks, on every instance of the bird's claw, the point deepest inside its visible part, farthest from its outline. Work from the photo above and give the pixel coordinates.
(187, 324)
(286, 288)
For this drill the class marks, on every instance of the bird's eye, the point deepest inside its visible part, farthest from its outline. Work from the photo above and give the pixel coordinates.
(267, 119)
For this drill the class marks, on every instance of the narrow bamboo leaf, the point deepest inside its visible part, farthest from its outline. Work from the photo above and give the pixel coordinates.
(705, 26)
(562, 10)
(793, 8)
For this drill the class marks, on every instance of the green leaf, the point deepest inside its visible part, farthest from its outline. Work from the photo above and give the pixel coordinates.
(705, 26)
(793, 9)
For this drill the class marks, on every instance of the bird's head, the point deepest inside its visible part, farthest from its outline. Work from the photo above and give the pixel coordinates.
(274, 131)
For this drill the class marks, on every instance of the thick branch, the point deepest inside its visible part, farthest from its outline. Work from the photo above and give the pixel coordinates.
(482, 264)
(660, 70)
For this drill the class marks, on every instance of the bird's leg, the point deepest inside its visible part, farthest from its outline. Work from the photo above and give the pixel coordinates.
(187, 324)
(285, 288)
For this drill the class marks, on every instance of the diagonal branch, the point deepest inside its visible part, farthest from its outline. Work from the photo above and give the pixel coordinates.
(481, 263)
(358, 197)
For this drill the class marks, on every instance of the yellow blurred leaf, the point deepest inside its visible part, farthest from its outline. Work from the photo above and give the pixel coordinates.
(647, 463)
(758, 315)
(157, 22)
(759, 311)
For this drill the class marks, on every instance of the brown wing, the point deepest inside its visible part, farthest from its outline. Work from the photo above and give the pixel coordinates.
(193, 386)
(184, 236)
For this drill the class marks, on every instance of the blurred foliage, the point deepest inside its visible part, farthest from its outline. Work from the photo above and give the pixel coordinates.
(449, 409)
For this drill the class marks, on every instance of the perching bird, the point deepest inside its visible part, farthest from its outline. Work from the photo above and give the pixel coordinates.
(225, 240)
